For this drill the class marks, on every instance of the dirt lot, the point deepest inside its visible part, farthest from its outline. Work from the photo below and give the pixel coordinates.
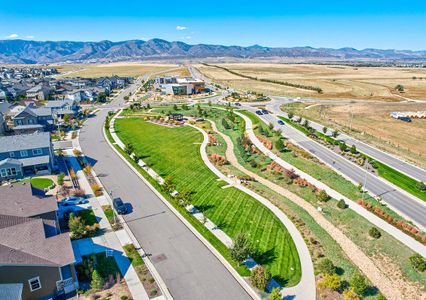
(121, 69)
(371, 123)
(338, 82)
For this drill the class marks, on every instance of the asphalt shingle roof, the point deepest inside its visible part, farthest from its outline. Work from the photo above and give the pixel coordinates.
(24, 141)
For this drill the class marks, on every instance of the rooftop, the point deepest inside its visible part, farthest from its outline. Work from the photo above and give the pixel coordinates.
(18, 200)
(24, 141)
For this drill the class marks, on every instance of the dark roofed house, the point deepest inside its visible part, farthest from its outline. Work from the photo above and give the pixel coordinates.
(26, 154)
(31, 253)
(33, 119)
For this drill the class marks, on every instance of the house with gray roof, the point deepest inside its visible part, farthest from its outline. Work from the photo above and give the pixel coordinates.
(33, 119)
(32, 251)
(38, 92)
(60, 108)
(25, 155)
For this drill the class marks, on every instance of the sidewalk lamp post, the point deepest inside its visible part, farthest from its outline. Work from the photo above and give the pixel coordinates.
(365, 183)
(112, 208)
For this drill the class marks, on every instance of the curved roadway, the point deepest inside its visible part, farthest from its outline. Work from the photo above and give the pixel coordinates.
(189, 269)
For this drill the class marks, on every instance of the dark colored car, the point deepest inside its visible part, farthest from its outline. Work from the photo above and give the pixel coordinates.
(264, 111)
(259, 112)
(281, 122)
(119, 206)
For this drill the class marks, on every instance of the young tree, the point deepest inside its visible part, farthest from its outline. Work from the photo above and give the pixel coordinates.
(66, 119)
(399, 88)
(335, 133)
(175, 107)
(271, 126)
(76, 226)
(324, 130)
(279, 145)
(128, 148)
(374, 233)
(343, 147)
(326, 266)
(241, 248)
(275, 294)
(260, 277)
(97, 281)
(169, 184)
(341, 204)
(421, 186)
(418, 262)
(290, 115)
(349, 294)
(359, 284)
(323, 196)
(353, 149)
(61, 178)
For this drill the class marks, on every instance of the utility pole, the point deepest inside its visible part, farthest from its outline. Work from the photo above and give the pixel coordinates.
(365, 183)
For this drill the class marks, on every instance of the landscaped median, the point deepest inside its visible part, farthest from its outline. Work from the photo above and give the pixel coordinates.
(175, 152)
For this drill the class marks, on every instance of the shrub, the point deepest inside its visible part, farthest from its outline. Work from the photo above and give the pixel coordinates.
(341, 204)
(77, 152)
(241, 248)
(374, 233)
(359, 284)
(275, 294)
(326, 266)
(331, 281)
(87, 169)
(343, 147)
(253, 163)
(76, 226)
(260, 277)
(61, 179)
(97, 281)
(279, 145)
(350, 294)
(418, 262)
(323, 196)
(128, 148)
(97, 190)
(353, 149)
(421, 186)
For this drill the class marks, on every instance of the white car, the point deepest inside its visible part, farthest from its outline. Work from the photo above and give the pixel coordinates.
(73, 200)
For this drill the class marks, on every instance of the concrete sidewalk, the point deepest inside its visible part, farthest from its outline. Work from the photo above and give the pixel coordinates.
(395, 232)
(106, 241)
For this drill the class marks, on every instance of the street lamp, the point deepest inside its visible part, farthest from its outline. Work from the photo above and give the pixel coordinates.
(112, 208)
(365, 183)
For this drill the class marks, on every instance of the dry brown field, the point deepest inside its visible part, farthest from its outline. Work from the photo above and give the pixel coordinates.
(371, 123)
(132, 69)
(337, 82)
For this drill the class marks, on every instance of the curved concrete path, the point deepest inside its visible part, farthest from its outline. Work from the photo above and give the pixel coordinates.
(305, 289)
(380, 223)
(355, 254)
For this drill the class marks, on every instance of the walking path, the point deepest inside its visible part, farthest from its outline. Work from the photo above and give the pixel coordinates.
(363, 262)
(250, 291)
(306, 287)
(390, 229)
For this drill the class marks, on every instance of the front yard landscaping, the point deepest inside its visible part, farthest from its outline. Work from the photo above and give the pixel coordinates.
(40, 183)
(175, 153)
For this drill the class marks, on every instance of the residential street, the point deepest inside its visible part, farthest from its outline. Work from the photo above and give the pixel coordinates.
(188, 268)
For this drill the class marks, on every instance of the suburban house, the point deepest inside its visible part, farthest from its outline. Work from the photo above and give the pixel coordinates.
(33, 119)
(60, 108)
(175, 85)
(11, 291)
(32, 251)
(24, 155)
(38, 92)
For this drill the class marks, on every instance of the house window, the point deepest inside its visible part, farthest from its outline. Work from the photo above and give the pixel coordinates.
(3, 172)
(37, 151)
(34, 283)
(30, 121)
(24, 153)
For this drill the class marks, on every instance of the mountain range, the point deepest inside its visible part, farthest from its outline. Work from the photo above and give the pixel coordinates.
(31, 52)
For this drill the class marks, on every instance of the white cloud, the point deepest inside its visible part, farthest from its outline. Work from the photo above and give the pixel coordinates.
(188, 37)
(30, 37)
(181, 28)
(12, 36)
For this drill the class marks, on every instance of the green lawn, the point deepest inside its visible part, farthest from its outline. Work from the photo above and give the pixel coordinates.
(133, 255)
(173, 152)
(88, 216)
(401, 180)
(40, 183)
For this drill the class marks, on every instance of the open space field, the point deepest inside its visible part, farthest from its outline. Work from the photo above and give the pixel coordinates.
(175, 152)
(119, 69)
(336, 82)
(371, 123)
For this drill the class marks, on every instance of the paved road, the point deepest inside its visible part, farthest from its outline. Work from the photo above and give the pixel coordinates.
(413, 209)
(390, 160)
(188, 268)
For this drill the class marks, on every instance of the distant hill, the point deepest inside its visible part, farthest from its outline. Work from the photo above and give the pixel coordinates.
(29, 52)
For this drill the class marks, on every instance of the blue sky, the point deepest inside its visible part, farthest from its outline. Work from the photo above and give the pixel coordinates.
(359, 24)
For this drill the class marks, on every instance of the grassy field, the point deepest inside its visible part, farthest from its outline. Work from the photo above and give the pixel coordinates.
(339, 82)
(173, 152)
(119, 69)
(371, 123)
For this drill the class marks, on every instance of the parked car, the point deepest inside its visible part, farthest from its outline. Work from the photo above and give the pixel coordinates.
(119, 206)
(264, 111)
(73, 200)
(237, 104)
(281, 122)
(259, 112)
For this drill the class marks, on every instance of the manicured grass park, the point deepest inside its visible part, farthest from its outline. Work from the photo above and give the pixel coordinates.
(176, 152)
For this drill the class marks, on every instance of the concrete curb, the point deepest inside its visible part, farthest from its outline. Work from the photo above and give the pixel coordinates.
(216, 253)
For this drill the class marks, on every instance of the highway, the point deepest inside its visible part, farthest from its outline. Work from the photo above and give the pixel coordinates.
(410, 207)
(388, 159)
(189, 269)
